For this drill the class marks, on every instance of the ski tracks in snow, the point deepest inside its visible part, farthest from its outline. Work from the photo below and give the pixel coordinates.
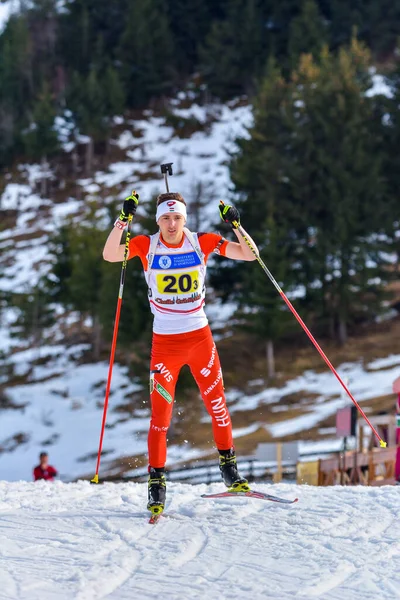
(355, 540)
(83, 542)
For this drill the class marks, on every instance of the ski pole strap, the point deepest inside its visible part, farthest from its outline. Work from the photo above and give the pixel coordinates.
(194, 240)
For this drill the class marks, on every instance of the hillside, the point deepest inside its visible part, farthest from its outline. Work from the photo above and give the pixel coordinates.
(95, 543)
(51, 389)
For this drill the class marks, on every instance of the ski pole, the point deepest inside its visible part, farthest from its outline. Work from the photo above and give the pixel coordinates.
(113, 345)
(242, 232)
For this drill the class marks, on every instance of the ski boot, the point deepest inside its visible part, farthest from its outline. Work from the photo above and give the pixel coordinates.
(229, 472)
(157, 491)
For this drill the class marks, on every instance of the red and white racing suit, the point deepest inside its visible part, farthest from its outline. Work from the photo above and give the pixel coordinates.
(181, 335)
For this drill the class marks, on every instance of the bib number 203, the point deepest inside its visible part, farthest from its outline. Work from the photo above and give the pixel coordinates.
(184, 283)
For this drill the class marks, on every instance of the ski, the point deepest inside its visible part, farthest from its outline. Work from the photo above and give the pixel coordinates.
(251, 494)
(155, 518)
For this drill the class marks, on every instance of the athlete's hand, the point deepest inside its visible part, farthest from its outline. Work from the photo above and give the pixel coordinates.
(130, 206)
(229, 214)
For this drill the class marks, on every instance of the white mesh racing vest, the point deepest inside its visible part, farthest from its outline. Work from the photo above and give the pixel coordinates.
(176, 281)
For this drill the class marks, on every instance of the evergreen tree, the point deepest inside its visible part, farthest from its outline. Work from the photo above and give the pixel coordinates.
(114, 93)
(263, 312)
(16, 85)
(383, 22)
(258, 174)
(35, 312)
(376, 23)
(235, 50)
(146, 52)
(313, 163)
(82, 23)
(189, 23)
(41, 138)
(389, 116)
(307, 33)
(83, 281)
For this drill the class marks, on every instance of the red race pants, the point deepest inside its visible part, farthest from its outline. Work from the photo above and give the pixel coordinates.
(168, 355)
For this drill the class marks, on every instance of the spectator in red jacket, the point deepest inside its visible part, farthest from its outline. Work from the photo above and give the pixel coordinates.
(44, 470)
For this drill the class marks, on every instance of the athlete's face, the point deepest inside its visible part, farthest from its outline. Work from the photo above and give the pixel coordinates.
(171, 226)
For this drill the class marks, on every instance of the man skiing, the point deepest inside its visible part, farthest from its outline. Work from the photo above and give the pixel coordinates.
(174, 263)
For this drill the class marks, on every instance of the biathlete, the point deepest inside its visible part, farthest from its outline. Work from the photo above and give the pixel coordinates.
(174, 262)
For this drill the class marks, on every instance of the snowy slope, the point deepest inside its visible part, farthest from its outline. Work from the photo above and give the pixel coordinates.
(63, 404)
(83, 542)
(60, 405)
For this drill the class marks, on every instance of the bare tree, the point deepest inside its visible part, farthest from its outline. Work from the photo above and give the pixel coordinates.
(200, 194)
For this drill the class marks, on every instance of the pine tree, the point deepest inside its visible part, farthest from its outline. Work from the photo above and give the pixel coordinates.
(343, 160)
(235, 50)
(83, 281)
(389, 116)
(313, 164)
(189, 23)
(35, 312)
(146, 52)
(16, 86)
(307, 33)
(114, 93)
(41, 139)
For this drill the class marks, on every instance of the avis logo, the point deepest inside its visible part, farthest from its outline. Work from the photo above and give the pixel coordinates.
(205, 372)
(164, 371)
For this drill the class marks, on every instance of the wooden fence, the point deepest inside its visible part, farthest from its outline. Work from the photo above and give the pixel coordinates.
(373, 467)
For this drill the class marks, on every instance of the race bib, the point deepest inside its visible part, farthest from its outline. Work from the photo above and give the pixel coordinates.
(177, 283)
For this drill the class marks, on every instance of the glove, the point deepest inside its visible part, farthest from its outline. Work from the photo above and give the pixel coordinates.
(230, 215)
(129, 207)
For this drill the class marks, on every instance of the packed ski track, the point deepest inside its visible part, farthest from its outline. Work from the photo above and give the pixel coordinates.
(88, 542)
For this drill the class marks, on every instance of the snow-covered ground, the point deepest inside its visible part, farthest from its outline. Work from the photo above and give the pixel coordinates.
(85, 542)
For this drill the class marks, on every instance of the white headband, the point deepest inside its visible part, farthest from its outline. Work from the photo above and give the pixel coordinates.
(171, 206)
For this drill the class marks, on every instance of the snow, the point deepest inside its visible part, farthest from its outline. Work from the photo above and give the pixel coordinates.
(9, 7)
(382, 363)
(91, 542)
(364, 382)
(26, 258)
(66, 409)
(199, 158)
(202, 157)
(379, 87)
(62, 402)
(6, 10)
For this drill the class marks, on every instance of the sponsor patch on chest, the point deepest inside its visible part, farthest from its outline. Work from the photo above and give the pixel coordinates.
(175, 261)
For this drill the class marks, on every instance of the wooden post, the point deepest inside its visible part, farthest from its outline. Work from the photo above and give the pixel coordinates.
(360, 438)
(278, 475)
